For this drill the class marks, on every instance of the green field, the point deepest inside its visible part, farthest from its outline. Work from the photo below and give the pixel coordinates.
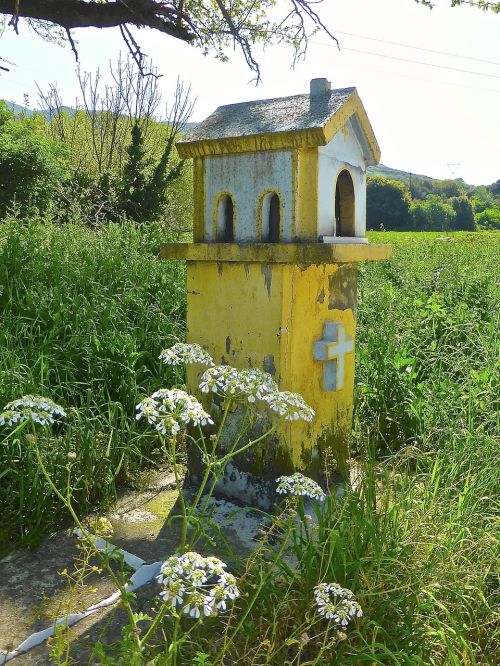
(84, 316)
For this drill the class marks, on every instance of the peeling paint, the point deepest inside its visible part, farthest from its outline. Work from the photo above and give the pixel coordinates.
(245, 178)
(267, 272)
(342, 288)
(272, 300)
(268, 364)
(279, 323)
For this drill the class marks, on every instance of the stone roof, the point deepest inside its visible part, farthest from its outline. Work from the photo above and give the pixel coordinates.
(267, 116)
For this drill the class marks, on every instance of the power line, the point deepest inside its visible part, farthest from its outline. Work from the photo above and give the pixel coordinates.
(433, 81)
(417, 48)
(415, 62)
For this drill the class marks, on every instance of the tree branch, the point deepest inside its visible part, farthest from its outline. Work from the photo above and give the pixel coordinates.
(71, 14)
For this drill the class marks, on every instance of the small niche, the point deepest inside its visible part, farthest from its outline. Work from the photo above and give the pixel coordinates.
(344, 205)
(271, 218)
(225, 219)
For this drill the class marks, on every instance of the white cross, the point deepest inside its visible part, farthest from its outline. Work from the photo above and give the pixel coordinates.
(332, 350)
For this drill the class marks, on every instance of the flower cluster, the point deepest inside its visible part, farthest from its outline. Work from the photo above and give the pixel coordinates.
(34, 408)
(183, 353)
(299, 485)
(167, 409)
(336, 603)
(290, 406)
(200, 586)
(250, 384)
(99, 526)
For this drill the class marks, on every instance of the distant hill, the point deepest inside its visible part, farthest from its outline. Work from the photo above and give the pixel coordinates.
(395, 174)
(18, 108)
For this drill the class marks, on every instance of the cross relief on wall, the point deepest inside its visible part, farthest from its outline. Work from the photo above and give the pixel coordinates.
(332, 349)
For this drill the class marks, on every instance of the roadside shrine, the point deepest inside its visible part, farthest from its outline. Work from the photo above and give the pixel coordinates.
(279, 229)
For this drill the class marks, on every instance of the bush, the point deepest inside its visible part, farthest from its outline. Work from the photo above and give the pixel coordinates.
(489, 218)
(464, 214)
(482, 199)
(32, 166)
(433, 214)
(388, 204)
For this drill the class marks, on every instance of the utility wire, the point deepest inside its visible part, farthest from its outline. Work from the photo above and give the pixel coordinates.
(417, 48)
(415, 62)
(433, 81)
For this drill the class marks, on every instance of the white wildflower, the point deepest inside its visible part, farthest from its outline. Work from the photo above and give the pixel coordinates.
(36, 408)
(290, 406)
(299, 485)
(167, 409)
(247, 385)
(336, 603)
(199, 586)
(186, 354)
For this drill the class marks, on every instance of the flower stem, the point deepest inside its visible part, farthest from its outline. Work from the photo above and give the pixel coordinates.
(261, 584)
(182, 501)
(104, 560)
(248, 445)
(208, 468)
(159, 617)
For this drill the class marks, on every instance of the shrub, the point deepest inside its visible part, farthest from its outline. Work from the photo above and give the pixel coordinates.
(433, 214)
(32, 166)
(489, 218)
(388, 204)
(464, 214)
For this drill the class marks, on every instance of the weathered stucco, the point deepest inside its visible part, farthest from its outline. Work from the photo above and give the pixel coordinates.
(248, 178)
(277, 253)
(269, 316)
(343, 152)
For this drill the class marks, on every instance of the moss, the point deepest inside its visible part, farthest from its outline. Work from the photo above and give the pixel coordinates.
(162, 504)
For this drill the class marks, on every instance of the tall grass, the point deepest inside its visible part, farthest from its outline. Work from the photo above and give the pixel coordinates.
(84, 317)
(417, 547)
(428, 361)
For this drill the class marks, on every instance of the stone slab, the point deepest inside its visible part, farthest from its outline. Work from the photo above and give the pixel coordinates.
(277, 253)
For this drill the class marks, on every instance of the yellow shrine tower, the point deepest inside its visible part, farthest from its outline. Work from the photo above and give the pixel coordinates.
(279, 228)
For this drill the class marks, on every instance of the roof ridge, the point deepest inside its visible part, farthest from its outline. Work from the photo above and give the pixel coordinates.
(277, 99)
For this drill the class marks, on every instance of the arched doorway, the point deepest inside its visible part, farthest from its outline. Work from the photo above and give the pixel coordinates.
(344, 205)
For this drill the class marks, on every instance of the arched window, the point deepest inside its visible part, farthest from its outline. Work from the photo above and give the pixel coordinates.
(271, 218)
(344, 205)
(225, 219)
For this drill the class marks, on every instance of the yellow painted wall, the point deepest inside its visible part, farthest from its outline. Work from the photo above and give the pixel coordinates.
(199, 199)
(307, 195)
(268, 316)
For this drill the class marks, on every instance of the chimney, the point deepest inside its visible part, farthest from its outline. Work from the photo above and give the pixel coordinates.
(319, 88)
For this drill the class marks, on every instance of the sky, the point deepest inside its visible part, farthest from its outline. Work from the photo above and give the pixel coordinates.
(429, 119)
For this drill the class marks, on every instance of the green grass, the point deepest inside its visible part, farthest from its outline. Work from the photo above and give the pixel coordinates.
(428, 362)
(421, 556)
(84, 316)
